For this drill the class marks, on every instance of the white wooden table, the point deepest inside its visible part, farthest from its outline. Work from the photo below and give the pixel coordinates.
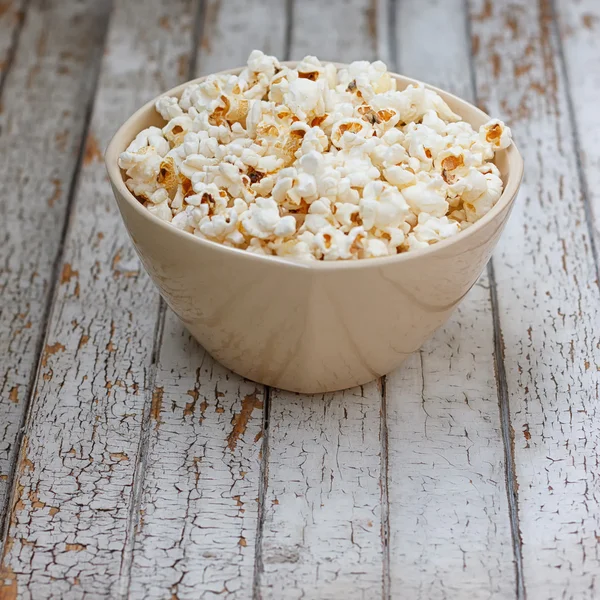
(134, 466)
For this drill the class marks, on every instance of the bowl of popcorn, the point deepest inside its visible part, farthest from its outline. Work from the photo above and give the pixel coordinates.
(312, 223)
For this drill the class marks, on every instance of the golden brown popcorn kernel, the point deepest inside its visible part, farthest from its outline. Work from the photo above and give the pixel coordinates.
(312, 76)
(452, 162)
(186, 186)
(385, 114)
(494, 133)
(318, 120)
(266, 131)
(302, 208)
(167, 175)
(369, 114)
(218, 117)
(209, 200)
(351, 127)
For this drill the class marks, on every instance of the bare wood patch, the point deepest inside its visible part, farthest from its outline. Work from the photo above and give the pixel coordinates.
(156, 407)
(50, 350)
(240, 420)
(92, 150)
(68, 273)
(8, 584)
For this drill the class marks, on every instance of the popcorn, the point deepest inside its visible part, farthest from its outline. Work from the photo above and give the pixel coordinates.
(262, 220)
(315, 163)
(427, 196)
(433, 229)
(382, 205)
(496, 133)
(305, 98)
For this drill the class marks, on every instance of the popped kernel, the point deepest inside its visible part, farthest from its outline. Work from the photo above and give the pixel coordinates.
(315, 162)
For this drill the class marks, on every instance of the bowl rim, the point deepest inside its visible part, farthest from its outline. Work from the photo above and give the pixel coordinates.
(118, 143)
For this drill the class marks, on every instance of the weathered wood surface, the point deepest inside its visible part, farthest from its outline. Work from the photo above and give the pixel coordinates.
(449, 516)
(145, 468)
(199, 501)
(549, 304)
(69, 516)
(45, 97)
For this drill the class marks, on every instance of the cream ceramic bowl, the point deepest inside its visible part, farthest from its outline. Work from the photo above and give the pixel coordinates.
(310, 327)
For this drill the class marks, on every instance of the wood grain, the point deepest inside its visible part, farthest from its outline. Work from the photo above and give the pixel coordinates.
(449, 521)
(199, 502)
(322, 530)
(42, 121)
(549, 304)
(70, 510)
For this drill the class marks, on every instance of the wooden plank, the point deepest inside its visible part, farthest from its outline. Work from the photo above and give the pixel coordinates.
(449, 520)
(199, 509)
(322, 529)
(579, 24)
(70, 511)
(45, 98)
(549, 304)
(196, 534)
(431, 44)
(322, 532)
(450, 532)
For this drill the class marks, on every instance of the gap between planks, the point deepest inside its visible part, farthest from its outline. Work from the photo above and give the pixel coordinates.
(262, 496)
(385, 499)
(508, 438)
(141, 458)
